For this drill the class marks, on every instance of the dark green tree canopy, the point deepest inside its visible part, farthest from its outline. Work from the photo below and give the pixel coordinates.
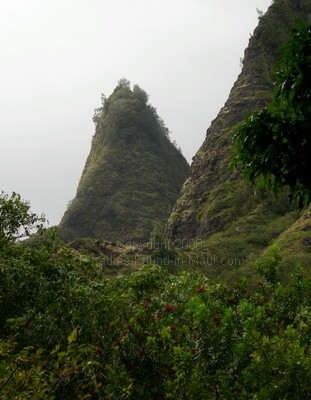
(273, 146)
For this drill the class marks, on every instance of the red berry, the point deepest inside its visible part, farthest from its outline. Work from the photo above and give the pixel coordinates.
(169, 307)
(201, 289)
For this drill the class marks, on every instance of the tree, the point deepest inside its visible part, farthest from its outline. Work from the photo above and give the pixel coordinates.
(16, 219)
(140, 94)
(98, 111)
(273, 146)
(124, 83)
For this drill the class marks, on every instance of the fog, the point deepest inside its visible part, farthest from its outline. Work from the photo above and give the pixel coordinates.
(57, 57)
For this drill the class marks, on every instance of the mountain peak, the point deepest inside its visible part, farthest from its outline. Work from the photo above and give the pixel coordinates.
(132, 175)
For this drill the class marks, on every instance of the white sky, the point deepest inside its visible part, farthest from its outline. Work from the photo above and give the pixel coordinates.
(58, 56)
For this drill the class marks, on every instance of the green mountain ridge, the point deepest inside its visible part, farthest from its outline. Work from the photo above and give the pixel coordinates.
(98, 318)
(132, 176)
(216, 205)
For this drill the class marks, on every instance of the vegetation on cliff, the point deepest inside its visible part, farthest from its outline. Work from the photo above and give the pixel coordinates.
(216, 205)
(273, 145)
(132, 175)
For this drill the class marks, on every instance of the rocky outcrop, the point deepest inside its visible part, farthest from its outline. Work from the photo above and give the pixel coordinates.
(214, 198)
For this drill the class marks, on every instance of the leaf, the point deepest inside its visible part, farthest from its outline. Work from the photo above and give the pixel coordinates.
(72, 337)
(56, 348)
(3, 370)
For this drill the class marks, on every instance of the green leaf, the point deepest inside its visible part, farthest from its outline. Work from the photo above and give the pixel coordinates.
(72, 337)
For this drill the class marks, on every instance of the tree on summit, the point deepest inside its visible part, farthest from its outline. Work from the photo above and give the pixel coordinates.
(273, 146)
(124, 83)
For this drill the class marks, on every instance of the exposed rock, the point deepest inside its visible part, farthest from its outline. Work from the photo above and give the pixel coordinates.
(213, 197)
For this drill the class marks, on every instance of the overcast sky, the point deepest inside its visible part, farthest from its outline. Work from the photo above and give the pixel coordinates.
(58, 56)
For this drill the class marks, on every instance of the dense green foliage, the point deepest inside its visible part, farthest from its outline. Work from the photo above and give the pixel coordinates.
(67, 332)
(133, 172)
(273, 145)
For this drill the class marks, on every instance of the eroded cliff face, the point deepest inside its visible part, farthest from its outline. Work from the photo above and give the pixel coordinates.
(214, 198)
(132, 176)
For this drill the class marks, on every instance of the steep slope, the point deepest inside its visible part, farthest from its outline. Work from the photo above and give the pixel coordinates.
(216, 203)
(132, 175)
